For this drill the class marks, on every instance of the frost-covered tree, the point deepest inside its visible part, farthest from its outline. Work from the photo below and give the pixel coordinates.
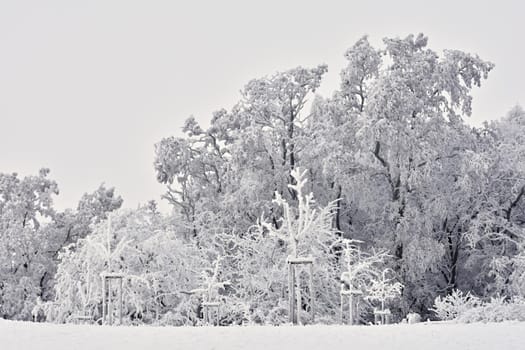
(211, 284)
(25, 262)
(399, 113)
(140, 244)
(32, 233)
(193, 169)
(306, 230)
(360, 268)
(235, 166)
(496, 235)
(299, 225)
(384, 289)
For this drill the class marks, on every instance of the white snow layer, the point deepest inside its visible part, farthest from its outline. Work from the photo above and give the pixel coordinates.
(442, 336)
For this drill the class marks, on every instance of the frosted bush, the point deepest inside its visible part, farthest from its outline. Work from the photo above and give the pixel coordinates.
(277, 315)
(465, 308)
(497, 310)
(455, 304)
(184, 314)
(233, 312)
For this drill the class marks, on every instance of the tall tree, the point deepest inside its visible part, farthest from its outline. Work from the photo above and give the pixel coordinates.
(24, 242)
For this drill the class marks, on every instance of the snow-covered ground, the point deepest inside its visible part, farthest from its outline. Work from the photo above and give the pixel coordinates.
(26, 336)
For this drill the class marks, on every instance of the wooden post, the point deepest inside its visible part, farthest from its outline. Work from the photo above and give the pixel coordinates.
(291, 293)
(341, 307)
(103, 300)
(298, 298)
(120, 301)
(110, 304)
(377, 318)
(351, 309)
(357, 313)
(312, 292)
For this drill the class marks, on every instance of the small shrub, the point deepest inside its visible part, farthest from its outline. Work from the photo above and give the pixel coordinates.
(277, 315)
(451, 306)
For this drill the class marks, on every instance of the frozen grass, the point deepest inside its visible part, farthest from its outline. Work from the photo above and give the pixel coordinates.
(443, 336)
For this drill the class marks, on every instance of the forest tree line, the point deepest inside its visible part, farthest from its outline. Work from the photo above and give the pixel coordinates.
(389, 153)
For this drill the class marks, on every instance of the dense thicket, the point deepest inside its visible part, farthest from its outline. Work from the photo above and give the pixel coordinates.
(401, 184)
(391, 146)
(32, 234)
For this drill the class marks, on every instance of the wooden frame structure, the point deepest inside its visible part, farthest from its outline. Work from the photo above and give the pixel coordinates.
(382, 316)
(107, 302)
(353, 304)
(82, 319)
(207, 308)
(294, 305)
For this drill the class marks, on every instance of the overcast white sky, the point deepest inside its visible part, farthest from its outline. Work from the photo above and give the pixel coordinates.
(88, 87)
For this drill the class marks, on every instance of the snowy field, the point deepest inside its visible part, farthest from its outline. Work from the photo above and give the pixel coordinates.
(26, 336)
